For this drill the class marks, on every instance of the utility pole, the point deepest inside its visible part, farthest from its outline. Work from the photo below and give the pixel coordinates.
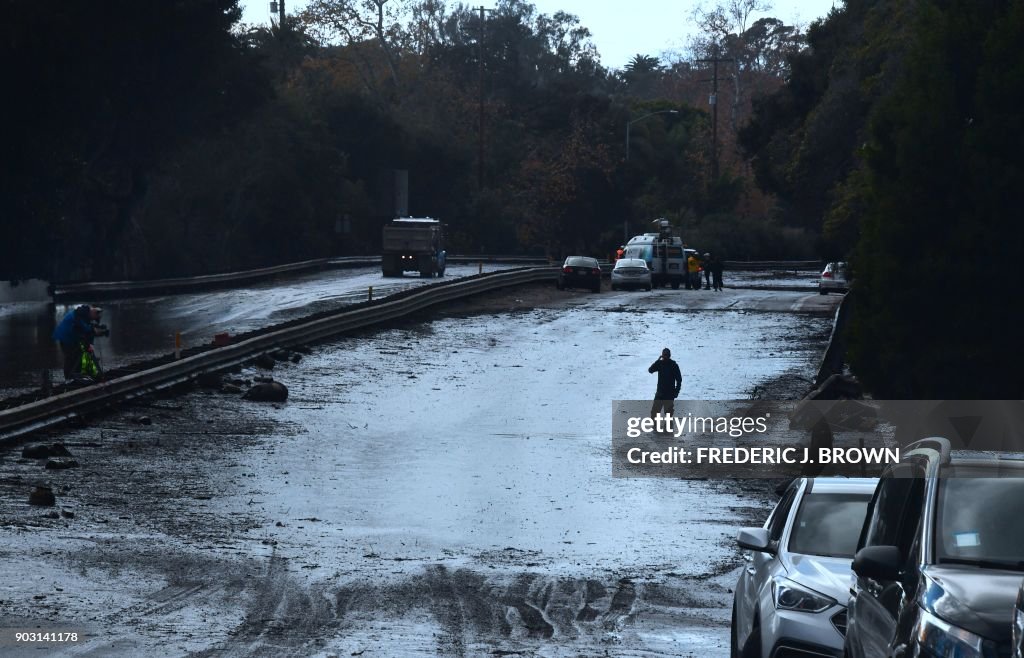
(713, 101)
(277, 6)
(480, 59)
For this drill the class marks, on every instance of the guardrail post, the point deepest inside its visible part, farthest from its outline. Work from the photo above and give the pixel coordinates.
(481, 270)
(177, 345)
(369, 294)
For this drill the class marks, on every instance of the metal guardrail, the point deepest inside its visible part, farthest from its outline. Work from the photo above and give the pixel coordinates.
(25, 418)
(106, 289)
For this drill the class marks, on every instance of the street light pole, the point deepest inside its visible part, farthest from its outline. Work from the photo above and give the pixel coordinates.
(629, 124)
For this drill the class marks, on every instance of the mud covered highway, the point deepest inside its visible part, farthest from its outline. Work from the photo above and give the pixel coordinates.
(441, 487)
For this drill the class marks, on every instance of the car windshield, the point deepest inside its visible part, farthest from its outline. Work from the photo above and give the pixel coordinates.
(828, 524)
(979, 522)
(580, 261)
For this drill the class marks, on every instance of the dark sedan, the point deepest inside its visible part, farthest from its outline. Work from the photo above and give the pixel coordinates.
(580, 272)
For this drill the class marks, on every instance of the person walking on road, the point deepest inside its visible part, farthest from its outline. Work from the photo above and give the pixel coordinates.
(670, 381)
(716, 273)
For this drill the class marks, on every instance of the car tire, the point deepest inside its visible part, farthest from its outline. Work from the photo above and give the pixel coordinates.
(734, 649)
(752, 647)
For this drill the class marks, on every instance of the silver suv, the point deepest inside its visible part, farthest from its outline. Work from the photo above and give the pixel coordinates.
(791, 596)
(940, 557)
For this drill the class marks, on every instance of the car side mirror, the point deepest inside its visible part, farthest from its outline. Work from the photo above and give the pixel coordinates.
(753, 539)
(878, 563)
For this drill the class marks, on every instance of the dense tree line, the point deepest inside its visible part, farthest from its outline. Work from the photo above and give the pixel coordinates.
(901, 129)
(166, 138)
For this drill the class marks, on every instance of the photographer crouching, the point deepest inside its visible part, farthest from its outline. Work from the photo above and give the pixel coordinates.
(76, 333)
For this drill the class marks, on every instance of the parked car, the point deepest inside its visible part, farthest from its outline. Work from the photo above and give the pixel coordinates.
(940, 557)
(791, 596)
(1018, 625)
(631, 273)
(834, 278)
(580, 272)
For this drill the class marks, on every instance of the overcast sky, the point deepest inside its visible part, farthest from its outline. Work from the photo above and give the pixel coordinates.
(620, 29)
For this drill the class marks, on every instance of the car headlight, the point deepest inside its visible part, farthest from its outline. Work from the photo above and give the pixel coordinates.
(938, 638)
(788, 595)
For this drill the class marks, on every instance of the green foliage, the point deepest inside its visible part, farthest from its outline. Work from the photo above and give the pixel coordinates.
(941, 233)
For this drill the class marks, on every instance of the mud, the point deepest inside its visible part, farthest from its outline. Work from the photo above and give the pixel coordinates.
(440, 487)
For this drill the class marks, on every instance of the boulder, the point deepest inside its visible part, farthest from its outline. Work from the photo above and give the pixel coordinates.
(58, 450)
(267, 392)
(233, 389)
(36, 451)
(265, 361)
(42, 451)
(42, 496)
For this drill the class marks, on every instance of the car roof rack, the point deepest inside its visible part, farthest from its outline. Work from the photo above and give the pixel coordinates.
(934, 449)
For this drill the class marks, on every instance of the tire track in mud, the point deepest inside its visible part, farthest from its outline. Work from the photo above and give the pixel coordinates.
(473, 613)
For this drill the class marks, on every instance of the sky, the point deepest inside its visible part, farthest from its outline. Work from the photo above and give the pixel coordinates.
(619, 29)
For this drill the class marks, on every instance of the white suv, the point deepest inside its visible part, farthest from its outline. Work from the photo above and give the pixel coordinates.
(791, 596)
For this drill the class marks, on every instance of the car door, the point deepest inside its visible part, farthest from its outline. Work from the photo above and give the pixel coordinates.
(760, 566)
(895, 517)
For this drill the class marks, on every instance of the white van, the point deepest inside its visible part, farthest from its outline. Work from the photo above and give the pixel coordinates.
(664, 256)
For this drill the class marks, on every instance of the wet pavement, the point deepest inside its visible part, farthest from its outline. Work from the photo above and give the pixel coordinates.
(143, 328)
(441, 487)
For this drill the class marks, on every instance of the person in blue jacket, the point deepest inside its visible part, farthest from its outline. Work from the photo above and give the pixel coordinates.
(75, 333)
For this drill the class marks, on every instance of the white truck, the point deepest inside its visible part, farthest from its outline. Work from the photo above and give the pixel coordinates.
(413, 244)
(664, 253)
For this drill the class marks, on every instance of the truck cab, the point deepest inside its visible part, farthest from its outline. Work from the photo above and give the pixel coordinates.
(413, 244)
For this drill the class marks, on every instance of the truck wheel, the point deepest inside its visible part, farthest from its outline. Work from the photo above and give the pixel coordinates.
(440, 272)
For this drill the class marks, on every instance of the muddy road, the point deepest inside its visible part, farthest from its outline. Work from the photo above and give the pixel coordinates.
(440, 487)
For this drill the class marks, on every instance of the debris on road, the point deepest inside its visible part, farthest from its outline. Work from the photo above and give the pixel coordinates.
(267, 392)
(42, 496)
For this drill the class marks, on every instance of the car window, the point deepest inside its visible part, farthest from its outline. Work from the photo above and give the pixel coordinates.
(978, 521)
(579, 261)
(828, 524)
(890, 506)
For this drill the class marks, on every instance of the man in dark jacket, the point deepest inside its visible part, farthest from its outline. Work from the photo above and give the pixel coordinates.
(716, 273)
(75, 333)
(670, 380)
